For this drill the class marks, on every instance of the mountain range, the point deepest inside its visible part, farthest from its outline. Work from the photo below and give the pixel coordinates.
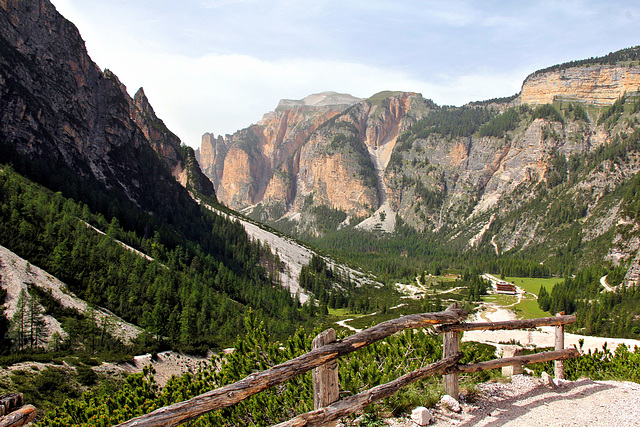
(522, 174)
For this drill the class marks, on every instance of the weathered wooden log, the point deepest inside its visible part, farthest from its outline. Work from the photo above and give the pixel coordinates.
(22, 416)
(352, 404)
(326, 389)
(519, 360)
(509, 324)
(9, 402)
(223, 397)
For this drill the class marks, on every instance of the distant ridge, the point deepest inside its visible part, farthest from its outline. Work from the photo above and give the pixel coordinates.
(321, 99)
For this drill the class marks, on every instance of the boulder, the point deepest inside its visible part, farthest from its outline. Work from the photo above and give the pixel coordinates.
(421, 416)
(451, 403)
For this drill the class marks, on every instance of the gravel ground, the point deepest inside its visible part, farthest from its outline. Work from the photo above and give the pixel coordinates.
(527, 401)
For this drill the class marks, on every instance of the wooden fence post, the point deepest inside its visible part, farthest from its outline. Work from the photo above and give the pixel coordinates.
(511, 351)
(451, 346)
(325, 377)
(559, 364)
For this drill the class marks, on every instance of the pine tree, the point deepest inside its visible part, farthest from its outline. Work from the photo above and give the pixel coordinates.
(19, 321)
(37, 325)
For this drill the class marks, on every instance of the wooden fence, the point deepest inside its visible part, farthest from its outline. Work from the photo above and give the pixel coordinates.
(323, 360)
(13, 413)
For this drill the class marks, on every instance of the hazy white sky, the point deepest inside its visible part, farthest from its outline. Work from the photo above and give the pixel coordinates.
(218, 65)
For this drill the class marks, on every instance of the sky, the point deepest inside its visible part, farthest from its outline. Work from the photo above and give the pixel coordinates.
(218, 65)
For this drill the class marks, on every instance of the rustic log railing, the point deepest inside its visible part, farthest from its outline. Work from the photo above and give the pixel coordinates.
(323, 360)
(13, 413)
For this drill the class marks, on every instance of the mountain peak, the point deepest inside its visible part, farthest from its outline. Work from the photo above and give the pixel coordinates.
(321, 99)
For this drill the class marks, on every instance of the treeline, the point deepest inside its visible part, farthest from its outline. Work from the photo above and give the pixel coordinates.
(187, 296)
(333, 288)
(406, 253)
(446, 121)
(612, 58)
(499, 125)
(600, 313)
(476, 285)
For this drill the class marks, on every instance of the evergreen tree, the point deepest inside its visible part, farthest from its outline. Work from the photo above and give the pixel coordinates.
(19, 322)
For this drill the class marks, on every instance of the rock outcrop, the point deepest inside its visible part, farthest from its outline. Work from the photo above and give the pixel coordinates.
(243, 166)
(59, 108)
(591, 84)
(311, 153)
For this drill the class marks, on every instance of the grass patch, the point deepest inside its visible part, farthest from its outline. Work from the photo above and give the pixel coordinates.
(341, 312)
(533, 284)
(528, 309)
(501, 299)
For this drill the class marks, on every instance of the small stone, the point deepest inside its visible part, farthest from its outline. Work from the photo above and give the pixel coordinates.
(421, 416)
(548, 380)
(451, 403)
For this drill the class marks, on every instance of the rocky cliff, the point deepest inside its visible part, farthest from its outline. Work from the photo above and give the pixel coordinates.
(59, 108)
(592, 84)
(243, 166)
(311, 153)
(530, 175)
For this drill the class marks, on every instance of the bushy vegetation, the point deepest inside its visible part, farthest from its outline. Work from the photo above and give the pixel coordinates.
(623, 364)
(369, 366)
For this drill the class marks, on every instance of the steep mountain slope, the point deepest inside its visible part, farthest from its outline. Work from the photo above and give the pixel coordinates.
(314, 167)
(58, 108)
(19, 275)
(253, 164)
(103, 158)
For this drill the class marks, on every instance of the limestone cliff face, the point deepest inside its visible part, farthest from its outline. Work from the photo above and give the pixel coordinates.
(593, 84)
(310, 153)
(58, 107)
(181, 160)
(242, 166)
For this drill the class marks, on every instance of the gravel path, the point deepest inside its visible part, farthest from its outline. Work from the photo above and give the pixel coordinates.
(527, 401)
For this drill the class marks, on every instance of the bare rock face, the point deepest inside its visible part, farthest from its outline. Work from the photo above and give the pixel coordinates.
(593, 84)
(58, 107)
(309, 153)
(242, 166)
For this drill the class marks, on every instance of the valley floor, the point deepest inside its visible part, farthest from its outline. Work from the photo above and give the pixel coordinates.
(541, 337)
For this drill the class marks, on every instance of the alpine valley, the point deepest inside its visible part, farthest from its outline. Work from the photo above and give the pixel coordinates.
(548, 174)
(116, 239)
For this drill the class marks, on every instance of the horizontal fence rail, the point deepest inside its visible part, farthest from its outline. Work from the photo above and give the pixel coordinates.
(508, 324)
(352, 404)
(329, 350)
(182, 412)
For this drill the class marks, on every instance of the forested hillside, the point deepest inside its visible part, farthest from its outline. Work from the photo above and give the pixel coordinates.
(77, 150)
(192, 295)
